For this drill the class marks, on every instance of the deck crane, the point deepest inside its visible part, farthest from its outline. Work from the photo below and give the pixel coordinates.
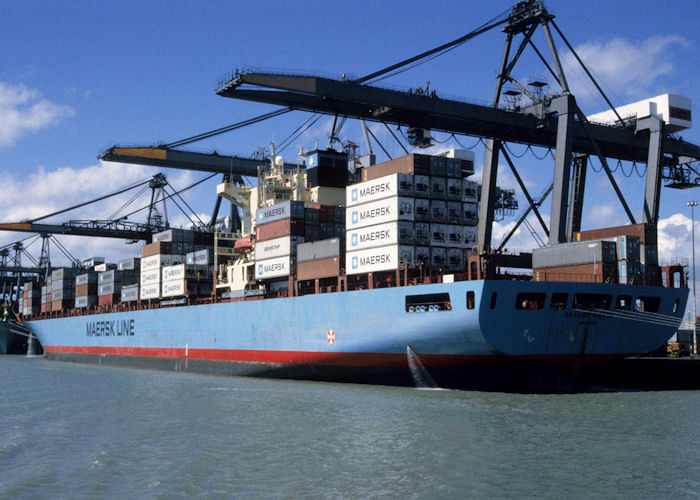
(554, 121)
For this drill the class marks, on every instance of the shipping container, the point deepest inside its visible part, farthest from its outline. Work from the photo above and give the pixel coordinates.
(174, 235)
(421, 209)
(454, 189)
(203, 257)
(438, 187)
(60, 305)
(312, 216)
(339, 215)
(93, 261)
(326, 176)
(64, 284)
(438, 166)
(82, 301)
(438, 235)
(63, 273)
(185, 288)
(150, 291)
(159, 260)
(438, 257)
(326, 230)
(104, 300)
(378, 212)
(86, 289)
(85, 278)
(410, 164)
(62, 293)
(150, 277)
(470, 235)
(470, 214)
(421, 186)
(630, 272)
(116, 275)
(290, 209)
(183, 271)
(455, 236)
(100, 268)
(407, 255)
(438, 211)
(372, 260)
(319, 250)
(628, 248)
(130, 293)
(277, 247)
(377, 189)
(378, 235)
(453, 168)
(130, 264)
(312, 233)
(157, 248)
(470, 191)
(454, 212)
(572, 254)
(274, 268)
(584, 273)
(422, 255)
(455, 259)
(421, 233)
(319, 268)
(281, 227)
(112, 288)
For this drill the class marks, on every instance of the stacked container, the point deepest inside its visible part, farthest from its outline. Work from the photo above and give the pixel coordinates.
(62, 289)
(279, 229)
(319, 259)
(444, 219)
(377, 212)
(186, 280)
(109, 285)
(585, 261)
(31, 298)
(86, 289)
(155, 256)
(181, 241)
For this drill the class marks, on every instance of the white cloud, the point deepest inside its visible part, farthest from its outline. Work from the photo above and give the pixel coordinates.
(22, 110)
(44, 192)
(627, 68)
(675, 238)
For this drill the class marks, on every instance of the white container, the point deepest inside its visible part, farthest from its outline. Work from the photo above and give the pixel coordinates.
(407, 255)
(273, 268)
(379, 212)
(160, 260)
(378, 235)
(178, 272)
(421, 209)
(150, 277)
(151, 291)
(454, 189)
(372, 260)
(421, 233)
(421, 185)
(376, 189)
(174, 288)
(438, 187)
(422, 255)
(130, 294)
(277, 247)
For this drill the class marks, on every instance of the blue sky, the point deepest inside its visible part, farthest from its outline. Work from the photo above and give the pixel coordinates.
(77, 77)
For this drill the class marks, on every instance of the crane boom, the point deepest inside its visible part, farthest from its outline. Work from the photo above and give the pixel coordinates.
(186, 160)
(103, 229)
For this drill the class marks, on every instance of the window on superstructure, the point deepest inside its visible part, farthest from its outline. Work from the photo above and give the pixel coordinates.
(530, 300)
(559, 300)
(647, 304)
(623, 302)
(430, 302)
(592, 301)
(471, 301)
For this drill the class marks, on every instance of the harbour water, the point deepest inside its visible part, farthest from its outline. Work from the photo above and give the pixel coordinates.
(84, 431)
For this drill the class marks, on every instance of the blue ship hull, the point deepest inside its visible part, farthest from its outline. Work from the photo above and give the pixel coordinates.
(365, 334)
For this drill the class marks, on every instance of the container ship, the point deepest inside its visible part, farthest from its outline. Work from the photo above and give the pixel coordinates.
(329, 281)
(347, 271)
